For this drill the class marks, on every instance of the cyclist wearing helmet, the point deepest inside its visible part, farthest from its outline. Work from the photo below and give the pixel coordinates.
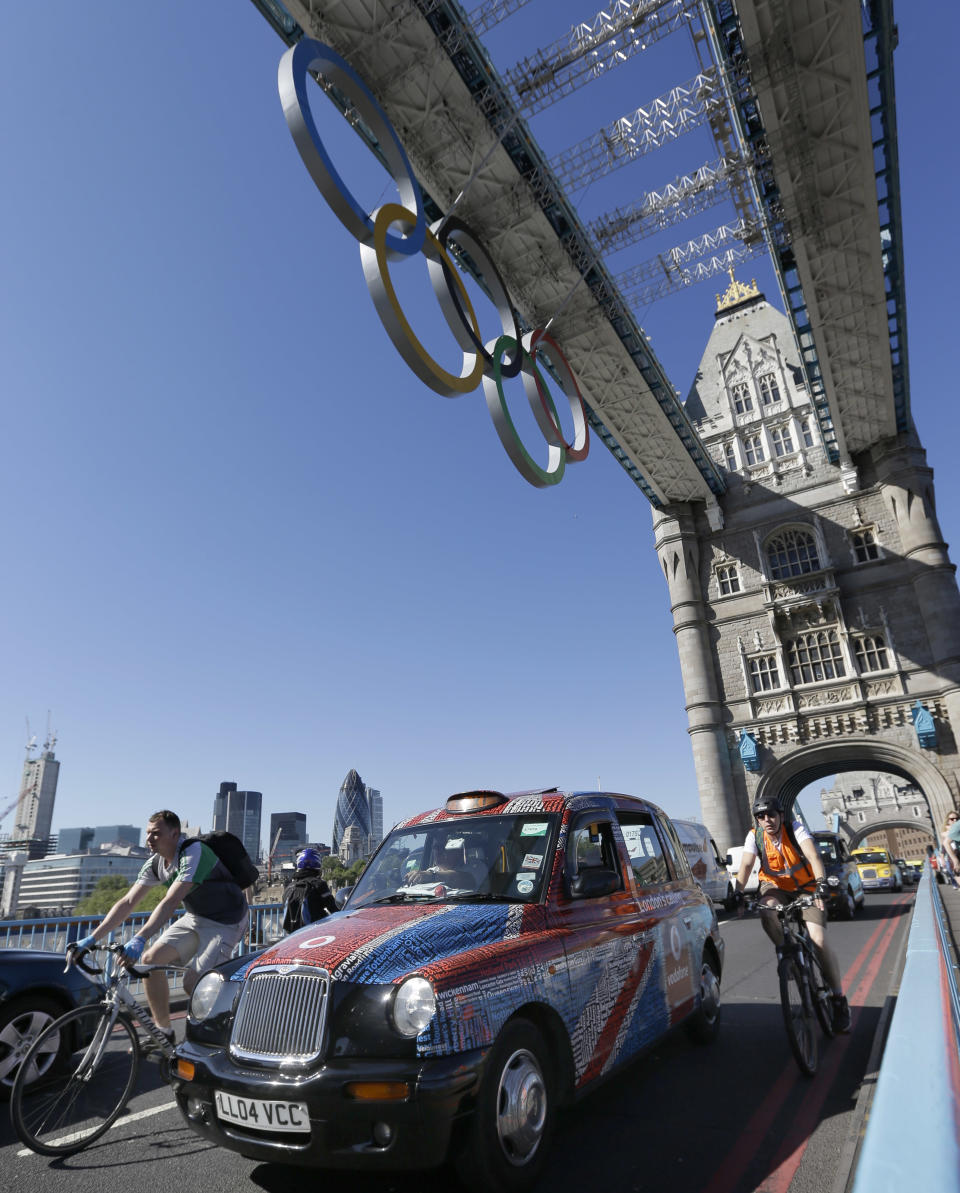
(307, 898)
(790, 865)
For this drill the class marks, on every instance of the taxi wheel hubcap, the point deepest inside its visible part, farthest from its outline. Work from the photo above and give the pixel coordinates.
(521, 1107)
(709, 993)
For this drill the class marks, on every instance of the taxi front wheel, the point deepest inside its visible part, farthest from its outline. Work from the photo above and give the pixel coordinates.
(507, 1138)
(704, 1024)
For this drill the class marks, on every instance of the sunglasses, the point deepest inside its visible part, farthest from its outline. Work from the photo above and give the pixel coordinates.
(767, 815)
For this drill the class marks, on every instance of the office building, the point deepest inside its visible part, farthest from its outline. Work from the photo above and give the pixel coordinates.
(55, 884)
(353, 811)
(375, 803)
(238, 812)
(292, 830)
(87, 840)
(38, 790)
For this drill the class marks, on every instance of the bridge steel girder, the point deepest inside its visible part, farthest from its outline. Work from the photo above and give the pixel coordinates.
(830, 140)
(455, 119)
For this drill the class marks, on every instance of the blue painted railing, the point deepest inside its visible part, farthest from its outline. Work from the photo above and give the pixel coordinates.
(913, 1136)
(56, 934)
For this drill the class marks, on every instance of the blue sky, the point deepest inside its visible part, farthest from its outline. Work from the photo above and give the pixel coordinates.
(242, 541)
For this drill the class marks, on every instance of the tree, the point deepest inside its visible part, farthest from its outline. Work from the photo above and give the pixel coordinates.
(333, 870)
(111, 888)
(337, 874)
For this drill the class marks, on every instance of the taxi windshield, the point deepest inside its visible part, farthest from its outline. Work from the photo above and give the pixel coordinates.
(828, 849)
(489, 858)
(872, 856)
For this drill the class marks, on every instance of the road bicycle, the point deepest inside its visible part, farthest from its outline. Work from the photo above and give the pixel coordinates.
(805, 995)
(60, 1108)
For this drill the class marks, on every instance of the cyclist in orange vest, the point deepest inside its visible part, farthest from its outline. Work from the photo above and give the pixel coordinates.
(790, 865)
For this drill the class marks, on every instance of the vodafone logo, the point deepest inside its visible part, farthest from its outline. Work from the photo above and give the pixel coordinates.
(676, 948)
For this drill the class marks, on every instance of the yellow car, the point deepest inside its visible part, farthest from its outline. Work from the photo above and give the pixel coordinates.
(878, 871)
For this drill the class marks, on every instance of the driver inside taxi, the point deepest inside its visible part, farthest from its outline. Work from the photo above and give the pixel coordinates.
(447, 868)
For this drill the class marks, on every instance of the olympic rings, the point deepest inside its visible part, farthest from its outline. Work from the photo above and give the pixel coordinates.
(497, 405)
(539, 341)
(373, 258)
(379, 244)
(445, 230)
(309, 55)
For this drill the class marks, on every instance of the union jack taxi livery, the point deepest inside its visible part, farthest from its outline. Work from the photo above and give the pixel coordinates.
(498, 955)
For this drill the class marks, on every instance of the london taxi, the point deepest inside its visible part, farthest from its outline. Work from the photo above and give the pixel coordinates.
(877, 870)
(846, 894)
(499, 955)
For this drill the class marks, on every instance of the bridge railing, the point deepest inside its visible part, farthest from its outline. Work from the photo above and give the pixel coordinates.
(913, 1135)
(55, 934)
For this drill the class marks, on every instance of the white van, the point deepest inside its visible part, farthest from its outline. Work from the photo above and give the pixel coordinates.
(705, 861)
(733, 868)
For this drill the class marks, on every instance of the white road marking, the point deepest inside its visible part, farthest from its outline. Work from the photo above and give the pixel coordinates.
(121, 1121)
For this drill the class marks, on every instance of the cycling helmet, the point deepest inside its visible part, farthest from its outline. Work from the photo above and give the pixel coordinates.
(309, 859)
(766, 803)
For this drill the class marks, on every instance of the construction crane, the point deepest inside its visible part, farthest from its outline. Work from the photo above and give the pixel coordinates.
(9, 808)
(273, 850)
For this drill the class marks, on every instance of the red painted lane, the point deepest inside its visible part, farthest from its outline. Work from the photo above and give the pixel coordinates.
(787, 1160)
(729, 1174)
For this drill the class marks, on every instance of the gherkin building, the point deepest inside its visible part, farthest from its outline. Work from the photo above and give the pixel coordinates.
(352, 809)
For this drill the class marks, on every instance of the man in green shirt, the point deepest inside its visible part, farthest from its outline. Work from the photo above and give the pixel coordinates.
(213, 925)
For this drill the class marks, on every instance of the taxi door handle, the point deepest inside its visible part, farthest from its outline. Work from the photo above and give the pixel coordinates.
(688, 920)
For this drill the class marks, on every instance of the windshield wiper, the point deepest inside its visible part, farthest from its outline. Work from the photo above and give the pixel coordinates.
(402, 897)
(482, 897)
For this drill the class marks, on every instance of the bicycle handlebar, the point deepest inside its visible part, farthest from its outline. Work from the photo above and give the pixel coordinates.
(797, 905)
(78, 957)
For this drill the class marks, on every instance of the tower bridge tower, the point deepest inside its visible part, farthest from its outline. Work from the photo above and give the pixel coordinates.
(815, 606)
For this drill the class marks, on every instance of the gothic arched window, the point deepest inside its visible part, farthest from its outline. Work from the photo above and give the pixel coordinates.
(792, 553)
(815, 656)
(769, 390)
(753, 449)
(870, 651)
(742, 401)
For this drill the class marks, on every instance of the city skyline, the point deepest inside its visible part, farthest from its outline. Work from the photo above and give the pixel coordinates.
(258, 546)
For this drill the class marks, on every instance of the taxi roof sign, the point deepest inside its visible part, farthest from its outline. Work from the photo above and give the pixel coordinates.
(474, 801)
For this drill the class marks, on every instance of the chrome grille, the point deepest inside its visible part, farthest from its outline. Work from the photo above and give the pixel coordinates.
(282, 1016)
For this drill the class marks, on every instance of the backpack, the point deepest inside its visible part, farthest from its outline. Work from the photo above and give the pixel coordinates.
(232, 852)
(297, 912)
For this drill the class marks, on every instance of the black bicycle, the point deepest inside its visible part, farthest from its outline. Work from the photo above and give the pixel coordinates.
(77, 1076)
(804, 993)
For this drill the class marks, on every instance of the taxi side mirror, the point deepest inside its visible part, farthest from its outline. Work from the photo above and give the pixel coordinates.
(594, 882)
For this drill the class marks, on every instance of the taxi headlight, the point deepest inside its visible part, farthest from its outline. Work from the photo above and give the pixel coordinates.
(414, 1005)
(204, 996)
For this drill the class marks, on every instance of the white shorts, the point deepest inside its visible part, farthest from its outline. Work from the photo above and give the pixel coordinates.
(201, 943)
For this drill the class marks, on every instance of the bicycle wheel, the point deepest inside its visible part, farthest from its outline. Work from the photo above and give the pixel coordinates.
(798, 1015)
(820, 992)
(71, 1105)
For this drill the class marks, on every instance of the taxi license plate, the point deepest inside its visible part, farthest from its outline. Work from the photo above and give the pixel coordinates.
(257, 1115)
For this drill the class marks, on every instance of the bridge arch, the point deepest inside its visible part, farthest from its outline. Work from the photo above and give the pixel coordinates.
(787, 778)
(855, 834)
